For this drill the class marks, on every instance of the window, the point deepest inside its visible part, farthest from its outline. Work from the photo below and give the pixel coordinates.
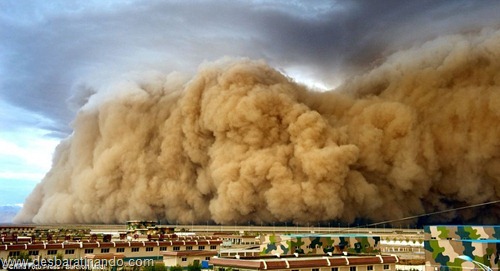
(177, 248)
(207, 258)
(189, 248)
(315, 269)
(120, 249)
(13, 253)
(184, 259)
(88, 251)
(335, 269)
(352, 268)
(33, 252)
(149, 249)
(52, 252)
(104, 250)
(201, 247)
(213, 247)
(135, 249)
(369, 268)
(163, 248)
(69, 251)
(386, 267)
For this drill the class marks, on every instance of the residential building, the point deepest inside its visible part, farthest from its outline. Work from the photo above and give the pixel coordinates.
(130, 250)
(402, 246)
(233, 252)
(239, 240)
(186, 257)
(307, 263)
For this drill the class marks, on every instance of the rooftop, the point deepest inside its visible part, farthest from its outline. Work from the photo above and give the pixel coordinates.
(330, 235)
(67, 245)
(274, 263)
(190, 253)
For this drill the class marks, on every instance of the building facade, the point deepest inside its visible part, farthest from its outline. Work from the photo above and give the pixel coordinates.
(125, 250)
(307, 263)
(185, 258)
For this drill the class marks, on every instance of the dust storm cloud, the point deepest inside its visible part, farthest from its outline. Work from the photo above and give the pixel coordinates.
(240, 141)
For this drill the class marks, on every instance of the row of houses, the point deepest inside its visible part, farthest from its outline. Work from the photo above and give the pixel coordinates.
(294, 252)
(171, 252)
(446, 248)
(207, 253)
(327, 262)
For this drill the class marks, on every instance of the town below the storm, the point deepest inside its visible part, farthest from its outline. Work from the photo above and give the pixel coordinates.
(147, 245)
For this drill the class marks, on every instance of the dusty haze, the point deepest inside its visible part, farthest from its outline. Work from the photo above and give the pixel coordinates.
(242, 142)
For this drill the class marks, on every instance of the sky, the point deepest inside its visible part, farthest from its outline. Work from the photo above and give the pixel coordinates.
(53, 54)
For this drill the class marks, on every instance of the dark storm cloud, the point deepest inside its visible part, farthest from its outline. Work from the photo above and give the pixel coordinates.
(50, 51)
(355, 35)
(45, 55)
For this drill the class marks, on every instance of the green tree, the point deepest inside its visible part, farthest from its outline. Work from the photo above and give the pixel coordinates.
(156, 267)
(176, 268)
(196, 266)
(23, 255)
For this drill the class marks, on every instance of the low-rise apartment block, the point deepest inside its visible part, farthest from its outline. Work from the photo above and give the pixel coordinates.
(307, 263)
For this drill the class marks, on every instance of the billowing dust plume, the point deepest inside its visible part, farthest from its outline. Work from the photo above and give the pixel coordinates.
(242, 142)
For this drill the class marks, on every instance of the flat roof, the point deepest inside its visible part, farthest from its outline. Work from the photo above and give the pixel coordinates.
(331, 235)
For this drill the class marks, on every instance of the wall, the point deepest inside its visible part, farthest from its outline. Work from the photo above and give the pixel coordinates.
(318, 244)
(444, 245)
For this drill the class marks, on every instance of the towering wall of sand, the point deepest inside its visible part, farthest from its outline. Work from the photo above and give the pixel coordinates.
(242, 142)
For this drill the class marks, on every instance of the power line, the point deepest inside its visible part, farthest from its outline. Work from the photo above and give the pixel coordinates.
(433, 213)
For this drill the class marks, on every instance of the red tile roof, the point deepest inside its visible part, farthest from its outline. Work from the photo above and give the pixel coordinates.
(64, 245)
(236, 263)
(190, 253)
(266, 263)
